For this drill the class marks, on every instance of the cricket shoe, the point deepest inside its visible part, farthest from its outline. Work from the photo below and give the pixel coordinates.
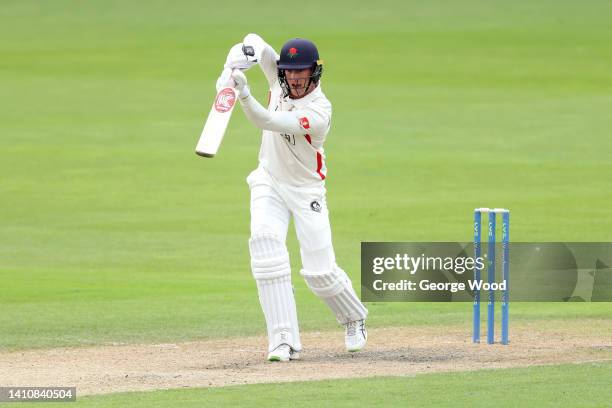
(356, 335)
(284, 352)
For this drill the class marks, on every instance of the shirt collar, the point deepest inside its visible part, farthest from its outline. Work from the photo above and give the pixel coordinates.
(311, 96)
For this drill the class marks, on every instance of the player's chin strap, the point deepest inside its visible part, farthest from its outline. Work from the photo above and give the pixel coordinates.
(282, 78)
(313, 78)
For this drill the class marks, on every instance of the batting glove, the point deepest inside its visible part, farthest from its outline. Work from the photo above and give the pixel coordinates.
(225, 79)
(240, 57)
(241, 83)
(256, 43)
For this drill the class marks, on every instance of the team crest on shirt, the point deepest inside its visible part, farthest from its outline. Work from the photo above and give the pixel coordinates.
(304, 123)
(315, 206)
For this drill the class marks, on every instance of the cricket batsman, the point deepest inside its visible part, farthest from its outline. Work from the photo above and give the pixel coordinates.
(290, 183)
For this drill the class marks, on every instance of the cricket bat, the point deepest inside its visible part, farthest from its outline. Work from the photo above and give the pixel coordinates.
(216, 123)
(220, 114)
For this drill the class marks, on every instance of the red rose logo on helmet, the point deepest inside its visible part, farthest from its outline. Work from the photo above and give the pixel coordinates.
(304, 123)
(292, 52)
(225, 100)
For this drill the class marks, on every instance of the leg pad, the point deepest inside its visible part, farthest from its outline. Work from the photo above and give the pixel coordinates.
(272, 272)
(335, 289)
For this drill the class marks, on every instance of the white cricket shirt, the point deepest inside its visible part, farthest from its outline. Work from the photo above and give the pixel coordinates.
(292, 145)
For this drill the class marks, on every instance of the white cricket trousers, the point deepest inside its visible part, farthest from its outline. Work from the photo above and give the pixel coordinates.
(273, 203)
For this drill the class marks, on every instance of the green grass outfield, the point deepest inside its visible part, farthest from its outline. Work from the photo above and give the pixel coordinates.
(583, 385)
(113, 230)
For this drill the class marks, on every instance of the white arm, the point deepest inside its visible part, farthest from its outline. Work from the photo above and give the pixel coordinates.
(283, 122)
(311, 120)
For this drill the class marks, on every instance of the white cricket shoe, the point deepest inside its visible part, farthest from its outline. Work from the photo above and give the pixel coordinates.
(356, 335)
(284, 352)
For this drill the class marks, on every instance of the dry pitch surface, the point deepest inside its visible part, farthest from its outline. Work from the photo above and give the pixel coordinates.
(217, 363)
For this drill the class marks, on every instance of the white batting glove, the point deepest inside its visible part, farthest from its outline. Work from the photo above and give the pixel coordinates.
(225, 79)
(239, 57)
(255, 41)
(241, 83)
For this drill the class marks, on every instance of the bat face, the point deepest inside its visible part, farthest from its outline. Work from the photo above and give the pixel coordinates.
(216, 123)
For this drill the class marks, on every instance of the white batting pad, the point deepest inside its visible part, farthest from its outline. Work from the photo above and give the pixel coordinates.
(272, 272)
(336, 290)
